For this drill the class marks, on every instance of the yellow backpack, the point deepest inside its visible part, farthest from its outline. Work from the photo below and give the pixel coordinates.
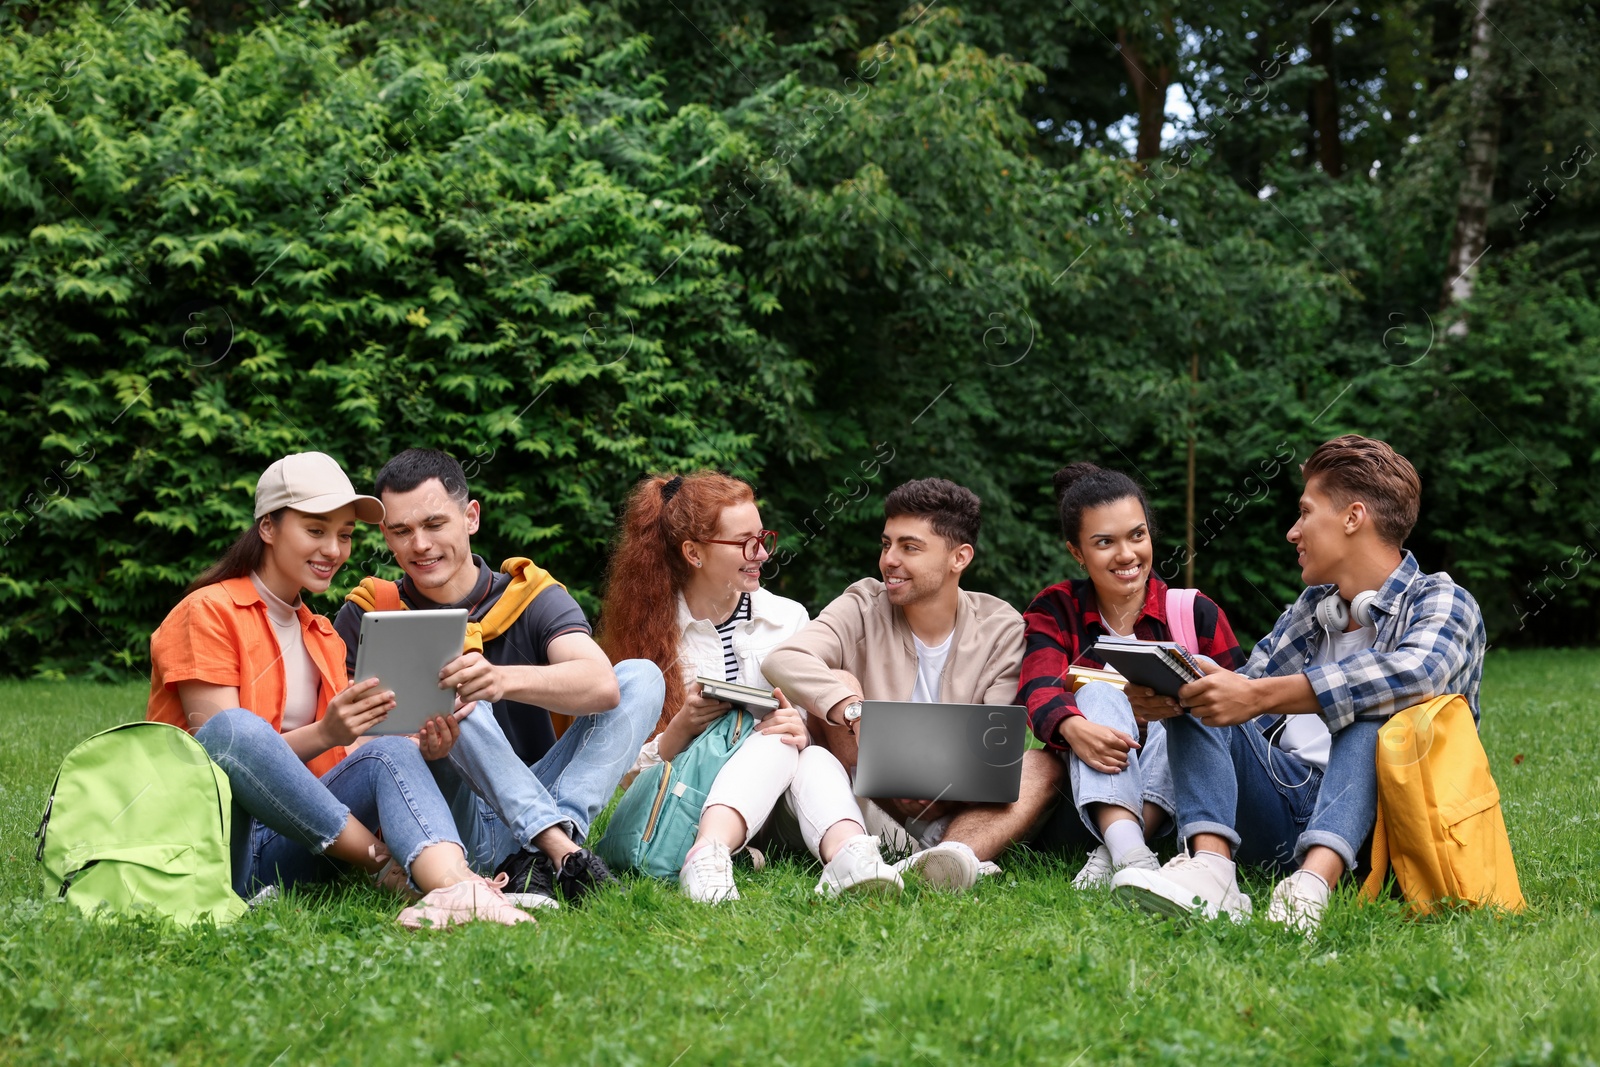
(1439, 821)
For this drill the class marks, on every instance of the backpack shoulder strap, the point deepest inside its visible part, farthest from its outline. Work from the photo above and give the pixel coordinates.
(1180, 619)
(376, 594)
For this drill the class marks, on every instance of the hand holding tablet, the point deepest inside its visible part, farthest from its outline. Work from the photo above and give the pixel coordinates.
(406, 651)
(362, 706)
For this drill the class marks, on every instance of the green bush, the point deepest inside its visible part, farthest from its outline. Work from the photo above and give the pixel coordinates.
(560, 243)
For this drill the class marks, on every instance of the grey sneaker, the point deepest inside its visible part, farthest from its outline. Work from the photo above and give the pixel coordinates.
(858, 867)
(1185, 886)
(1096, 874)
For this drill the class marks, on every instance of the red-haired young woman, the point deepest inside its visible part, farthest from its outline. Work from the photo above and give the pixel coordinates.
(685, 592)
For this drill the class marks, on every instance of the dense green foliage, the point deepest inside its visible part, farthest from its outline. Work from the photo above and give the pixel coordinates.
(1023, 970)
(825, 247)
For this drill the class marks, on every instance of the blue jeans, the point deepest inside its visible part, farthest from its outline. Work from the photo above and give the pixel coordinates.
(1146, 779)
(1271, 807)
(290, 816)
(501, 804)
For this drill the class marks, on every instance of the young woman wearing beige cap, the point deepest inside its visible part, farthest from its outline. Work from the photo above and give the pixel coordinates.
(260, 681)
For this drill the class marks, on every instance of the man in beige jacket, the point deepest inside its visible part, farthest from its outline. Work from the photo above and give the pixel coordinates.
(918, 635)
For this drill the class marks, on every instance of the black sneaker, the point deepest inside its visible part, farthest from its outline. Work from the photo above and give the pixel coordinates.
(529, 873)
(582, 873)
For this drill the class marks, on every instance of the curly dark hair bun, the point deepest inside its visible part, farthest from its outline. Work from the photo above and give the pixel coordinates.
(1081, 486)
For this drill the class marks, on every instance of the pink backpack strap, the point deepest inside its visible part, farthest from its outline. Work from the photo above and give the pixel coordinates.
(1180, 618)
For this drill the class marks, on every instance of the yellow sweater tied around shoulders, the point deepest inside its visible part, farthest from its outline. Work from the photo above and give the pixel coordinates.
(528, 580)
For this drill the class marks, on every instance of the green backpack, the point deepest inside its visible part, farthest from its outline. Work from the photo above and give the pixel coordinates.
(138, 821)
(655, 822)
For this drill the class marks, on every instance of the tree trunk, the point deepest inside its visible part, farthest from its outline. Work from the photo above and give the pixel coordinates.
(1325, 100)
(1477, 183)
(1150, 90)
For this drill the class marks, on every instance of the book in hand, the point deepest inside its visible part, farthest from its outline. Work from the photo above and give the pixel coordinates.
(1164, 666)
(1082, 674)
(758, 702)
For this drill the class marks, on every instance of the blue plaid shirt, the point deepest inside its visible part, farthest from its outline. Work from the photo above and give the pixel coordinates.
(1430, 642)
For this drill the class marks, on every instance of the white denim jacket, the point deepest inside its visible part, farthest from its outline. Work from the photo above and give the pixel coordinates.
(773, 620)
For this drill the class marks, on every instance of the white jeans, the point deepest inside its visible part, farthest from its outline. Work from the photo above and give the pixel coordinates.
(812, 784)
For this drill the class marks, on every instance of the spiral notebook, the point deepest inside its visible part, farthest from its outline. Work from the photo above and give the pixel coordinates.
(1164, 666)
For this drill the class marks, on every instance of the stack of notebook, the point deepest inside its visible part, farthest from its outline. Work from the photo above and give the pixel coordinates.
(1164, 666)
(1083, 674)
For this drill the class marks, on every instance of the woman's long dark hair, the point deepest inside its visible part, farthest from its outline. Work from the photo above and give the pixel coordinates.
(242, 557)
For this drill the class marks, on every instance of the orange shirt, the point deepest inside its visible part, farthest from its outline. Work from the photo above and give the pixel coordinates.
(221, 634)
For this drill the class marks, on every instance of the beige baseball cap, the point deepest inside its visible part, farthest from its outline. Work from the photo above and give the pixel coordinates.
(312, 482)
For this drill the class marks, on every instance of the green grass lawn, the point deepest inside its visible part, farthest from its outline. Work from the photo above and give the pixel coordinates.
(1022, 970)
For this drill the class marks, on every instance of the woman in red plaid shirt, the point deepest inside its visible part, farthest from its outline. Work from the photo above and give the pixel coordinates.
(1121, 784)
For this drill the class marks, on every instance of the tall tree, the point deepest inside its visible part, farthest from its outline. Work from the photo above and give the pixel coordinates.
(1477, 182)
(1325, 99)
(1149, 78)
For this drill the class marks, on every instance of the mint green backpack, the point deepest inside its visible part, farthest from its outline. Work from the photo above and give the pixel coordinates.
(655, 822)
(138, 821)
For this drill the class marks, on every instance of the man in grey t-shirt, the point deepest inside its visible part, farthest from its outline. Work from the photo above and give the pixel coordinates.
(505, 758)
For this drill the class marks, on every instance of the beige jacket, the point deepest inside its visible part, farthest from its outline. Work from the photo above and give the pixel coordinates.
(861, 632)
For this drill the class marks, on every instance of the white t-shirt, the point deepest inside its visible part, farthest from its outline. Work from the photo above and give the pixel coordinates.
(1306, 737)
(930, 665)
(300, 678)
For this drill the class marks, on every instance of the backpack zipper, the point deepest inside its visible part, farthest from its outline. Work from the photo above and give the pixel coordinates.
(661, 796)
(67, 884)
(38, 854)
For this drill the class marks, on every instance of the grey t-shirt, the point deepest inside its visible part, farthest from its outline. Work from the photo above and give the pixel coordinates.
(527, 643)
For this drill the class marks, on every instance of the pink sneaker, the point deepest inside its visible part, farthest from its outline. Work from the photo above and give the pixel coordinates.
(476, 898)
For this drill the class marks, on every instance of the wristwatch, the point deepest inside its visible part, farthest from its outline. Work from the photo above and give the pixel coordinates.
(852, 712)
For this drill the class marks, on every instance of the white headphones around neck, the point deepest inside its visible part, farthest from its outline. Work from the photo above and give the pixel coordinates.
(1334, 614)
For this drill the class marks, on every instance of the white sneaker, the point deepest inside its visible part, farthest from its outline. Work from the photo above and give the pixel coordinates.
(707, 877)
(265, 894)
(1298, 901)
(530, 901)
(1187, 885)
(947, 865)
(858, 867)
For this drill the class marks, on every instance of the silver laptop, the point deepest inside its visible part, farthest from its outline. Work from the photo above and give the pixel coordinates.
(967, 752)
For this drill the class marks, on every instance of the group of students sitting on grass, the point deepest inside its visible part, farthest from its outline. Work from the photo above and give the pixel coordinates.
(1267, 762)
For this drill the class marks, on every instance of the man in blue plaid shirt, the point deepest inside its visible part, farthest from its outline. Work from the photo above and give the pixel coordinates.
(1275, 765)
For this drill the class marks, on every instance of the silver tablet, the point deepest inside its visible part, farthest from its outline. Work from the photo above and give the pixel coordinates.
(405, 651)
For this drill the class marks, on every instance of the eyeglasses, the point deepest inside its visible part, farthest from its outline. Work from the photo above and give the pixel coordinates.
(767, 539)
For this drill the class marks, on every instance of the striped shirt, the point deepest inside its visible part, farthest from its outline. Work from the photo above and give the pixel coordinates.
(730, 659)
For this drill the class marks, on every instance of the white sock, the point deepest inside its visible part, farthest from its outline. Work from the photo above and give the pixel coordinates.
(695, 851)
(1122, 837)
